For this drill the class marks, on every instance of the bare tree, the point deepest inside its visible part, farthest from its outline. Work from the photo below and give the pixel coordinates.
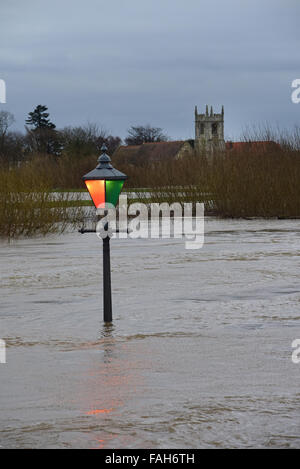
(145, 134)
(80, 142)
(7, 119)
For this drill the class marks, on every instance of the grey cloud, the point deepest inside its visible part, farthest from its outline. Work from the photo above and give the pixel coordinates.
(120, 63)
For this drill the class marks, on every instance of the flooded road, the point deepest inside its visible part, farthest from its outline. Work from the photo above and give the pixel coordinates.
(198, 356)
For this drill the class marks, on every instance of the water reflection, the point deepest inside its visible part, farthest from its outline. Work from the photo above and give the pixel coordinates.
(108, 341)
(112, 381)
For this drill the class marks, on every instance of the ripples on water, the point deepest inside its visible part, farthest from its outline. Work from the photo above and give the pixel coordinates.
(199, 354)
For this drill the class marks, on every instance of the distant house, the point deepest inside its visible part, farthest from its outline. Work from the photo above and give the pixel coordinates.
(209, 138)
(153, 152)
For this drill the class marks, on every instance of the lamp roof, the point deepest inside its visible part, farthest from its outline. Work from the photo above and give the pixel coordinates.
(104, 170)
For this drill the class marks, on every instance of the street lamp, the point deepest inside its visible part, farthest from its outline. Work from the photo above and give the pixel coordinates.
(104, 184)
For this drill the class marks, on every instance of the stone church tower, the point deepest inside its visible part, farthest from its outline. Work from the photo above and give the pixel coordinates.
(209, 131)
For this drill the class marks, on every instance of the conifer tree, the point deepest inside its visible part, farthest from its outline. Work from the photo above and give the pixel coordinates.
(39, 118)
(42, 138)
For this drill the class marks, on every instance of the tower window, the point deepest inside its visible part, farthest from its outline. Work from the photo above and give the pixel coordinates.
(214, 129)
(201, 129)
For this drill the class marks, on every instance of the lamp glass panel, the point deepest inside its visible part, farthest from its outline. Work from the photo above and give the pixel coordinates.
(97, 192)
(113, 189)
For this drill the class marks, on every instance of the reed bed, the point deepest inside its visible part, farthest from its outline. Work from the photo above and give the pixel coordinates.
(27, 205)
(247, 183)
(231, 184)
(256, 185)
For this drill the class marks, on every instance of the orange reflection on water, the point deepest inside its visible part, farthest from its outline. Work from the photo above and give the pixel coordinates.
(99, 411)
(110, 383)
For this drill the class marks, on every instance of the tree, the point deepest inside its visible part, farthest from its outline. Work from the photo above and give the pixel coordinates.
(11, 143)
(112, 143)
(12, 149)
(144, 134)
(7, 119)
(43, 141)
(43, 138)
(39, 118)
(79, 142)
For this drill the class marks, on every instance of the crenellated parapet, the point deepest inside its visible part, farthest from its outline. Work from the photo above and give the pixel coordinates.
(209, 130)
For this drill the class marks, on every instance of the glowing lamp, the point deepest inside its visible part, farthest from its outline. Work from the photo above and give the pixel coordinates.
(104, 183)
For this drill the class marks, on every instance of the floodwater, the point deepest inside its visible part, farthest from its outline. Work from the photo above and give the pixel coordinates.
(198, 356)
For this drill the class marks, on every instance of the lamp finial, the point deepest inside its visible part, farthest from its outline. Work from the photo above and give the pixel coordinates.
(104, 159)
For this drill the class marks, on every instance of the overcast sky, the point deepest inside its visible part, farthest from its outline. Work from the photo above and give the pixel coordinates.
(124, 62)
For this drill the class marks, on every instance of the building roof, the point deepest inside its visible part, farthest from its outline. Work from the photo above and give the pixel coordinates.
(264, 145)
(162, 151)
(137, 154)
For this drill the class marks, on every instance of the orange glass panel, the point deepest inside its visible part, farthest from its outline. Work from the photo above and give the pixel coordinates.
(97, 192)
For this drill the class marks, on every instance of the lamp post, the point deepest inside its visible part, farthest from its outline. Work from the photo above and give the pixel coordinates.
(104, 184)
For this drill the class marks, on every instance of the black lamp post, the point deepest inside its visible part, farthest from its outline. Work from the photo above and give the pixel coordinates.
(104, 184)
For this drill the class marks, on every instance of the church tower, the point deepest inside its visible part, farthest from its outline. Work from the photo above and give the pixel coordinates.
(209, 131)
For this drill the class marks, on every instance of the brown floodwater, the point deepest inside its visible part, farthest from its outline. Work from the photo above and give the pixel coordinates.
(198, 355)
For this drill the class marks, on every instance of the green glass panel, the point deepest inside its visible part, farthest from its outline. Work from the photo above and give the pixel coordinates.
(113, 189)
